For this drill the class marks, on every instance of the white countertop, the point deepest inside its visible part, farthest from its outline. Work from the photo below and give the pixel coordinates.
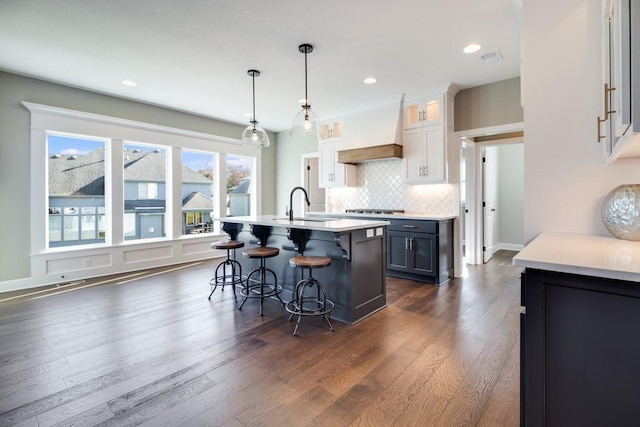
(598, 256)
(334, 225)
(417, 216)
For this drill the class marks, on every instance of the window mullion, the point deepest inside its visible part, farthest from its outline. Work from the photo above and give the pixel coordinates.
(174, 192)
(114, 191)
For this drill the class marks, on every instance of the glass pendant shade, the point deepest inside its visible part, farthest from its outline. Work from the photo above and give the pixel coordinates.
(254, 135)
(305, 123)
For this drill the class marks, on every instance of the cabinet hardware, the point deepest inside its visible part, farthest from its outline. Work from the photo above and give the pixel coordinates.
(600, 135)
(406, 244)
(607, 100)
(411, 243)
(409, 226)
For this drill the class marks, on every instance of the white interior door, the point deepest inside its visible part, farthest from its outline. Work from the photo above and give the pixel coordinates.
(312, 185)
(468, 201)
(489, 200)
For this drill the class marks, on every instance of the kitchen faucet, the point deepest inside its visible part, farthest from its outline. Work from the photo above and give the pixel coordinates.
(306, 197)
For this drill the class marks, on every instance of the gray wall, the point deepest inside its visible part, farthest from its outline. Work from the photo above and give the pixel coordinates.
(15, 160)
(289, 171)
(511, 190)
(488, 105)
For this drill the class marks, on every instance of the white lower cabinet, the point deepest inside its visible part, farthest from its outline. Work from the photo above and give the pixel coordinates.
(424, 155)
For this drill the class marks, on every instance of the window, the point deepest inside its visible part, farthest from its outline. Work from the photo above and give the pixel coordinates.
(75, 185)
(194, 218)
(239, 185)
(197, 191)
(147, 190)
(87, 180)
(145, 170)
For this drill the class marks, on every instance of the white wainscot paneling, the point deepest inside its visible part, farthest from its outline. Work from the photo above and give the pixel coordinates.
(147, 254)
(77, 263)
(200, 247)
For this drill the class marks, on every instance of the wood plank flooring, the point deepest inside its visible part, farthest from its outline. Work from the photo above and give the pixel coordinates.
(150, 349)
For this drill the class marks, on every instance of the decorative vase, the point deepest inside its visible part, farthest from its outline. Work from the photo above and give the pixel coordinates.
(621, 212)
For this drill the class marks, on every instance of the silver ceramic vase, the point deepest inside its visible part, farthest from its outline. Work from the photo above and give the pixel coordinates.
(621, 212)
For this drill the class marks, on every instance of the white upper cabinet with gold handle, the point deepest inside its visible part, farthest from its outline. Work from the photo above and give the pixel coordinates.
(619, 124)
(427, 126)
(423, 110)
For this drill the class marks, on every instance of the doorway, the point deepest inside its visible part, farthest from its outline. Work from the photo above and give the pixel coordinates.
(311, 183)
(491, 192)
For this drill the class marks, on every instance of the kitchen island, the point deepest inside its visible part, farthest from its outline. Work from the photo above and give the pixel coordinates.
(355, 281)
(578, 331)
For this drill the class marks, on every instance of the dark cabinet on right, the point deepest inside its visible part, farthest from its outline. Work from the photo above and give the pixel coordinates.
(420, 250)
(580, 350)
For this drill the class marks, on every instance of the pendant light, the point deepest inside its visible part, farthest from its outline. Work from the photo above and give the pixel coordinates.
(306, 121)
(254, 135)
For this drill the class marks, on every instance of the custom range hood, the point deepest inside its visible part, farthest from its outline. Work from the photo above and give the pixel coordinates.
(372, 134)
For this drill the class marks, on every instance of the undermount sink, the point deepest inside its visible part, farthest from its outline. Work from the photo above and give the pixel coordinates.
(286, 218)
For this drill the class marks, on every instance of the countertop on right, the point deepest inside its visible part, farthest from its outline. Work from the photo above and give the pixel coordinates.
(588, 255)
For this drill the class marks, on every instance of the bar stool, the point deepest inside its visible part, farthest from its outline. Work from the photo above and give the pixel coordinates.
(256, 285)
(221, 277)
(303, 304)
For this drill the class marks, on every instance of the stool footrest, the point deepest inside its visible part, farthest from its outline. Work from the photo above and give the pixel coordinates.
(257, 286)
(228, 272)
(254, 291)
(322, 307)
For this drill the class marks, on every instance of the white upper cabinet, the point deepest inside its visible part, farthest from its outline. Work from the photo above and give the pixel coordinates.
(619, 124)
(427, 126)
(332, 173)
(330, 130)
(423, 110)
(424, 155)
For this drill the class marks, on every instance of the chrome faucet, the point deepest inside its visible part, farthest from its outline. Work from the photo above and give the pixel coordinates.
(306, 197)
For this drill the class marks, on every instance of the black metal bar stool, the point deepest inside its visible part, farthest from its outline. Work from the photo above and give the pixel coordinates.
(306, 305)
(256, 285)
(229, 271)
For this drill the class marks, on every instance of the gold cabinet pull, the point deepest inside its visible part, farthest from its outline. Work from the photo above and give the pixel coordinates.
(600, 135)
(607, 100)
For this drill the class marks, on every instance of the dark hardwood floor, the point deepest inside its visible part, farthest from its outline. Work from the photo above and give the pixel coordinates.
(148, 348)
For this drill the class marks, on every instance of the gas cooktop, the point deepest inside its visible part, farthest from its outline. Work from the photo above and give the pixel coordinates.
(375, 211)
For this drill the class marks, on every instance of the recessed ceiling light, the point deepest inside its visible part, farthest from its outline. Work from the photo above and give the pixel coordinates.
(370, 80)
(473, 47)
(129, 83)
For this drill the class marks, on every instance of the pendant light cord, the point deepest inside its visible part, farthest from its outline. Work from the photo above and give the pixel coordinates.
(253, 79)
(306, 96)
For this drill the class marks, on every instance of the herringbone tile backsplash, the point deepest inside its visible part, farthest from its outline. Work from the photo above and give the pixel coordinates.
(380, 186)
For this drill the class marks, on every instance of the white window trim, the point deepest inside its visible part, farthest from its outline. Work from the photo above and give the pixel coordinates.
(68, 263)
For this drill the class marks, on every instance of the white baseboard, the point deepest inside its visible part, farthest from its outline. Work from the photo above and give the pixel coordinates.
(509, 247)
(16, 285)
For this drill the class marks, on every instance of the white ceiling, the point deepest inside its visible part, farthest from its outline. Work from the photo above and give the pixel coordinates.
(193, 55)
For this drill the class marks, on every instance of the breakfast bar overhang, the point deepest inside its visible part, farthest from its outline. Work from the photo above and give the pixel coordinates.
(355, 280)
